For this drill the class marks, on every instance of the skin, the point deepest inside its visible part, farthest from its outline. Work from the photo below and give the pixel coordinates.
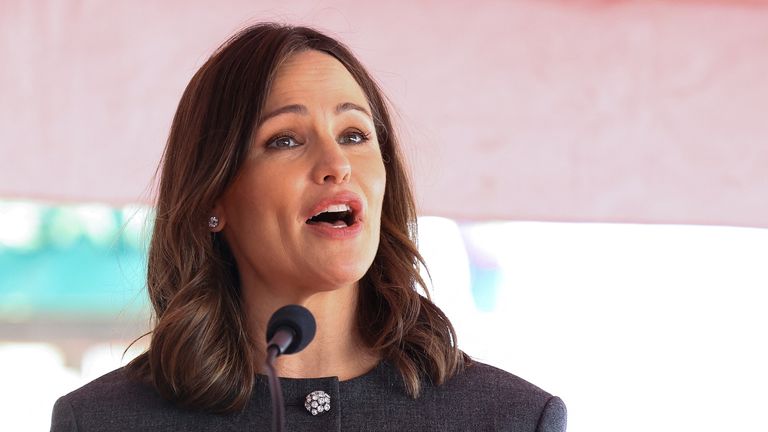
(299, 158)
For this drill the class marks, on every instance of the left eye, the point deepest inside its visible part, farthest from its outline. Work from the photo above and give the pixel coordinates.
(353, 138)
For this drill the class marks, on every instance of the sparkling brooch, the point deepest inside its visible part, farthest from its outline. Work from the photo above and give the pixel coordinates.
(317, 402)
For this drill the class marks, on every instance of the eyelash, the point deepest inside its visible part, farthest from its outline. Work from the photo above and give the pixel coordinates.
(281, 135)
(364, 137)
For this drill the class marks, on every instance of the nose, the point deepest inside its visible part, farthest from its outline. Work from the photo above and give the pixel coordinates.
(332, 164)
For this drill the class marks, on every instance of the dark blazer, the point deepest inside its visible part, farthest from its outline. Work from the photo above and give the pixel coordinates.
(482, 398)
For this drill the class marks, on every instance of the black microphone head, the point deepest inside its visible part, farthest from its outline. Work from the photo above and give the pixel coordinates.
(296, 318)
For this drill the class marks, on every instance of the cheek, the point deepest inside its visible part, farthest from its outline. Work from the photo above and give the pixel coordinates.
(380, 185)
(375, 179)
(261, 195)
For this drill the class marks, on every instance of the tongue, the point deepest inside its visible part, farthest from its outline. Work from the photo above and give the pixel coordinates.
(336, 223)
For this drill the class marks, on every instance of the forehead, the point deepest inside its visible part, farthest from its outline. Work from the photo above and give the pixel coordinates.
(313, 77)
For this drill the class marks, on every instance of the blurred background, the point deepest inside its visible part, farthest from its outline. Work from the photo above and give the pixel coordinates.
(592, 179)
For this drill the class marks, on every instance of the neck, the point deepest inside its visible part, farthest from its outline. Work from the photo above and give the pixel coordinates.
(336, 350)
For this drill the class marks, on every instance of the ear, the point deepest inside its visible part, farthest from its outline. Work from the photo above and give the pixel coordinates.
(216, 219)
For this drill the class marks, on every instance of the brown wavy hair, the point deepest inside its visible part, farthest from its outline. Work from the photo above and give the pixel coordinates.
(201, 355)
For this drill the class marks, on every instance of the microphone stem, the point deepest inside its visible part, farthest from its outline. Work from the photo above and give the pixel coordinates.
(278, 408)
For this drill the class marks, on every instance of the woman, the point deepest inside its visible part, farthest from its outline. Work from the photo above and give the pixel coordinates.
(282, 183)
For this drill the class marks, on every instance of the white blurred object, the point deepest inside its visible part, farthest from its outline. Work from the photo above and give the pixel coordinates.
(637, 327)
(105, 357)
(19, 225)
(33, 376)
(442, 247)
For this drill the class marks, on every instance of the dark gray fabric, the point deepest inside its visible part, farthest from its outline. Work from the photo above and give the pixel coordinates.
(482, 398)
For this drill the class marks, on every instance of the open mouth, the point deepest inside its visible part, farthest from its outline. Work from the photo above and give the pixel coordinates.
(336, 215)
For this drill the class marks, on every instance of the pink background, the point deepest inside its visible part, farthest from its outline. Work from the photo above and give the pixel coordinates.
(526, 110)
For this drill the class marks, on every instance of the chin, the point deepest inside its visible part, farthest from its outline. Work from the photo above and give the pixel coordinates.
(340, 276)
(340, 281)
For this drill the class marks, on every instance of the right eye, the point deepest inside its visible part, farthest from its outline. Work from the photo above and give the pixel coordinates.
(283, 142)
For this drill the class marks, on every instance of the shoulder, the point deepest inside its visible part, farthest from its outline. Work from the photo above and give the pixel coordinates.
(480, 397)
(479, 377)
(103, 397)
(483, 376)
(110, 402)
(492, 393)
(115, 388)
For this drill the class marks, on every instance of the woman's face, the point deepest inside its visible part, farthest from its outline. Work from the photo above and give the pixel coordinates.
(304, 212)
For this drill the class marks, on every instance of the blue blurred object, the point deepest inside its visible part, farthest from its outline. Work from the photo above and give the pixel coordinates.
(84, 261)
(485, 283)
(485, 273)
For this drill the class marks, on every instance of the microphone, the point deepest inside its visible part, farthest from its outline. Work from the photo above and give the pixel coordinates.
(290, 329)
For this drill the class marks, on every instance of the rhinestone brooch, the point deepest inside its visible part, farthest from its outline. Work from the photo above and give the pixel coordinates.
(317, 402)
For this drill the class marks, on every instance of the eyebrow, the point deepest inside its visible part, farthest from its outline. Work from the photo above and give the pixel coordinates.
(349, 106)
(302, 110)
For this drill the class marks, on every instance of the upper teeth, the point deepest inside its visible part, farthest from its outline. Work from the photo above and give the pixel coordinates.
(334, 208)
